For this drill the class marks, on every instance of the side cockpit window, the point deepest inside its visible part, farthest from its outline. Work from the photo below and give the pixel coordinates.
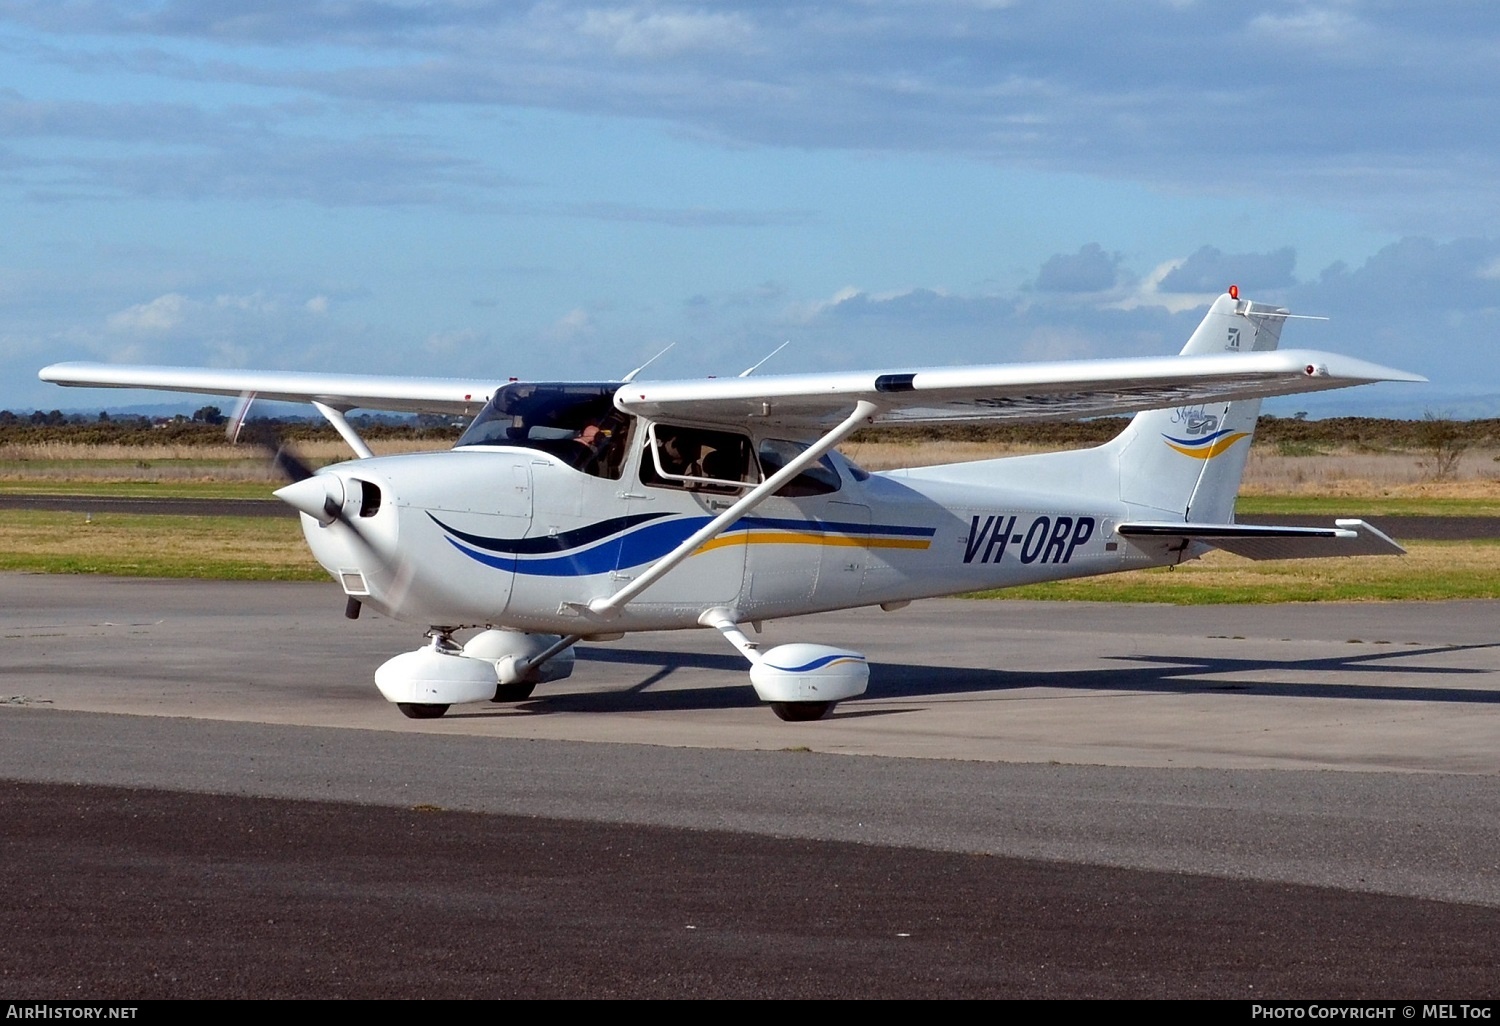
(697, 459)
(702, 460)
(577, 423)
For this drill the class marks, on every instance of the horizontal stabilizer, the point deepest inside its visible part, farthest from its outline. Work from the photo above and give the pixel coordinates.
(1345, 538)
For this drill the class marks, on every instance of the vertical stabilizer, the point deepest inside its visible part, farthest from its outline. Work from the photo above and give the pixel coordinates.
(1185, 463)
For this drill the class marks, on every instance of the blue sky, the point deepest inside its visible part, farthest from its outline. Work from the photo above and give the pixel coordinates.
(560, 190)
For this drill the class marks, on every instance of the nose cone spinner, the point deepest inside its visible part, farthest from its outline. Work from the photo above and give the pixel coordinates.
(320, 497)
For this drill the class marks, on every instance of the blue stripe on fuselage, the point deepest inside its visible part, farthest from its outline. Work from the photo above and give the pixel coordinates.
(624, 542)
(552, 543)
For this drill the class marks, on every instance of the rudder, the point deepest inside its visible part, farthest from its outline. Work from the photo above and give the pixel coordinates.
(1186, 463)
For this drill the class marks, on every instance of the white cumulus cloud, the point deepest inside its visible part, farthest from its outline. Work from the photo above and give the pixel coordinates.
(632, 32)
(161, 314)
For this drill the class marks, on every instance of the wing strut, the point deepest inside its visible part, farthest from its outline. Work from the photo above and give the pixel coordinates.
(335, 417)
(608, 608)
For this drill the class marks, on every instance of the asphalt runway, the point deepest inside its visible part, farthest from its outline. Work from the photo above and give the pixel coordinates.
(134, 506)
(207, 797)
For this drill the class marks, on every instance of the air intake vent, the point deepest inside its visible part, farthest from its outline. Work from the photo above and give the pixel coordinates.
(369, 503)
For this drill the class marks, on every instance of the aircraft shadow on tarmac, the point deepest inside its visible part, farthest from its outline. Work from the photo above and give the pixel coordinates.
(1168, 674)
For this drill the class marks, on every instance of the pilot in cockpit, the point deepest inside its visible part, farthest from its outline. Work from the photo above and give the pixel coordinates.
(595, 449)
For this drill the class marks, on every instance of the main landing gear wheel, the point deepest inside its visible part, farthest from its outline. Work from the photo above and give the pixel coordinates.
(801, 712)
(421, 710)
(514, 692)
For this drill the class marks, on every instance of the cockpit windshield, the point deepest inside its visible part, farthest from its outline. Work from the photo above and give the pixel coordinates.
(576, 422)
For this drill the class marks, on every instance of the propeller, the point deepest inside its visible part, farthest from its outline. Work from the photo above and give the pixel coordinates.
(320, 496)
(289, 465)
(282, 459)
(263, 436)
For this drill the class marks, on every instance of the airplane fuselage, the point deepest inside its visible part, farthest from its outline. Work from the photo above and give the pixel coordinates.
(516, 537)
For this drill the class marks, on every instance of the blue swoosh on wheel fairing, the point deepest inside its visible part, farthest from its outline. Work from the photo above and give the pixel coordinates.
(818, 663)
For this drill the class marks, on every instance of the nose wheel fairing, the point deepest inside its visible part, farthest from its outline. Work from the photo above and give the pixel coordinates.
(495, 665)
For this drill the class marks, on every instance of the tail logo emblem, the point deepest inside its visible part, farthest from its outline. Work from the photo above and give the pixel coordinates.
(1208, 447)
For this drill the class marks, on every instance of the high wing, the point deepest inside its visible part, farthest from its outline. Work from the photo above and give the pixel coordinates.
(340, 391)
(1024, 391)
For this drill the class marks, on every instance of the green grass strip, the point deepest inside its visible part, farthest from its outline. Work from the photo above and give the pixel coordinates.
(1431, 571)
(1346, 506)
(216, 548)
(141, 489)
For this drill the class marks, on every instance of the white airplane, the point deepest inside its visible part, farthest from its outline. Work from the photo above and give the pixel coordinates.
(578, 511)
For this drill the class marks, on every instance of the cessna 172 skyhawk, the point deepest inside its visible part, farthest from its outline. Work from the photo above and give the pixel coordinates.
(577, 511)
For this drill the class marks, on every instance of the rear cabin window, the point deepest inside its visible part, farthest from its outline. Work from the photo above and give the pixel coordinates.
(818, 479)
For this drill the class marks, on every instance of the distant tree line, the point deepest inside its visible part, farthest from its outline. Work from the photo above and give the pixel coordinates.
(206, 426)
(1292, 434)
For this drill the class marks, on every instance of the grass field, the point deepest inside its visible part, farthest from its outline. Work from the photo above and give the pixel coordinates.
(224, 548)
(1429, 571)
(143, 489)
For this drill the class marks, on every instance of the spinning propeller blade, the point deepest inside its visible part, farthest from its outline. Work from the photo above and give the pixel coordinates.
(320, 496)
(289, 465)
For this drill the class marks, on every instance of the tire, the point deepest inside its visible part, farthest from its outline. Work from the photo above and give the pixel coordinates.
(421, 710)
(801, 712)
(514, 692)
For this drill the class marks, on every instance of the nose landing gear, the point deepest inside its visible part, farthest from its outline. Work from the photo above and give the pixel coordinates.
(495, 665)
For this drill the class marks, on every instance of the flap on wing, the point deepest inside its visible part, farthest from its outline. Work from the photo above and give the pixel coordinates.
(1345, 538)
(343, 391)
(1034, 391)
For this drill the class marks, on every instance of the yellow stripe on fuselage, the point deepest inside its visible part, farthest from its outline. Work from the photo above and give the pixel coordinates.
(808, 538)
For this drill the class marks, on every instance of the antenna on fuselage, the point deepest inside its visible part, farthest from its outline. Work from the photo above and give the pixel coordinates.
(631, 376)
(756, 366)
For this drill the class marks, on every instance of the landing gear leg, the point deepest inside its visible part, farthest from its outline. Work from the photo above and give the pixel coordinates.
(522, 660)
